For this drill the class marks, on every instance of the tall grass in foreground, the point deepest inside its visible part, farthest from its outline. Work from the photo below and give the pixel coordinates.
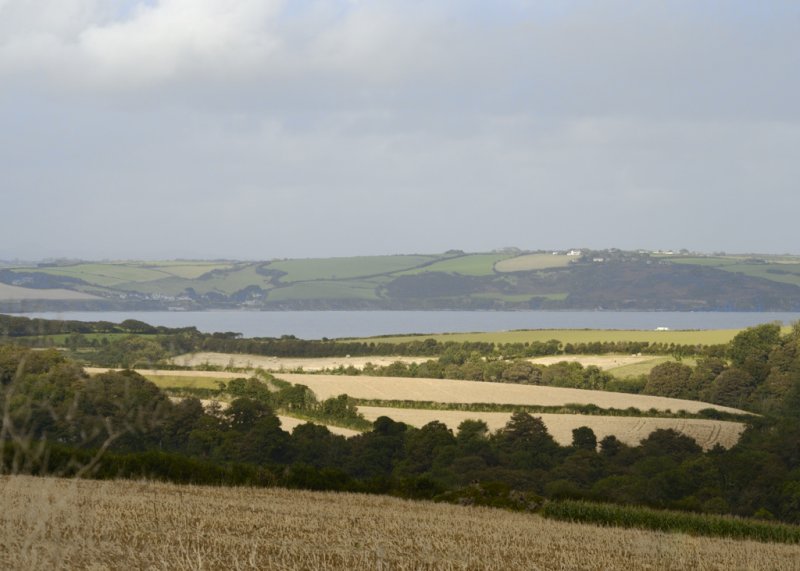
(671, 521)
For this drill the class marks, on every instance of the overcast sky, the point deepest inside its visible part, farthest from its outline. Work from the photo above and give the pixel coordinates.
(259, 129)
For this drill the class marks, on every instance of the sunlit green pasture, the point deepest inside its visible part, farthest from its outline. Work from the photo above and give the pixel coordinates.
(325, 290)
(182, 382)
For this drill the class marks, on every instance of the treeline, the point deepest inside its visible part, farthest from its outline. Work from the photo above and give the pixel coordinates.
(18, 326)
(121, 424)
(459, 365)
(755, 371)
(148, 345)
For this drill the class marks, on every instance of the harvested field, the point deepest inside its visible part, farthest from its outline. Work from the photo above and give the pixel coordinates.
(78, 524)
(166, 372)
(630, 430)
(289, 423)
(178, 379)
(285, 363)
(448, 391)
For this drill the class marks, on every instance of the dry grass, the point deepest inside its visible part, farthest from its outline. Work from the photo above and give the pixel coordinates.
(630, 430)
(287, 363)
(448, 391)
(63, 524)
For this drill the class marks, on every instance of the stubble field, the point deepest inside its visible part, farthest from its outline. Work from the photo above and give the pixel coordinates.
(69, 524)
(449, 391)
(630, 430)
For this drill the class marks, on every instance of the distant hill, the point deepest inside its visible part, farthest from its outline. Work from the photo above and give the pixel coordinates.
(507, 280)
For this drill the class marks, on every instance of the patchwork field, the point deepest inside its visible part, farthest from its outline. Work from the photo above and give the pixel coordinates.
(447, 391)
(345, 268)
(77, 524)
(469, 265)
(621, 365)
(630, 430)
(129, 272)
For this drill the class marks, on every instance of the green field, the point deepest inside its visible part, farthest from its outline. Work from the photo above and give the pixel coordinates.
(182, 382)
(130, 275)
(451, 280)
(325, 290)
(530, 262)
(345, 268)
(227, 281)
(106, 275)
(189, 270)
(774, 268)
(694, 337)
(469, 265)
(784, 273)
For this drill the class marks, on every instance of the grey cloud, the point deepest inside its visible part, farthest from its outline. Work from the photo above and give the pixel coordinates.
(275, 129)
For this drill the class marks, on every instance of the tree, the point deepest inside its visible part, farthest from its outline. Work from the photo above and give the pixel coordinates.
(749, 350)
(732, 388)
(669, 442)
(671, 379)
(518, 372)
(423, 446)
(526, 442)
(704, 373)
(583, 438)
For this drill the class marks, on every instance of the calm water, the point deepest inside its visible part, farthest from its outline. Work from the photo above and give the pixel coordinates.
(332, 324)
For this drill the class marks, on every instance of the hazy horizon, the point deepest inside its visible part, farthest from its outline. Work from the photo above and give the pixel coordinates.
(249, 260)
(266, 129)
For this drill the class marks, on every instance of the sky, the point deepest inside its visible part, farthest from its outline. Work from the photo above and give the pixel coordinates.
(262, 129)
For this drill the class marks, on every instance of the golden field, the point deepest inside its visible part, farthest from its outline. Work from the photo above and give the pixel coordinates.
(78, 524)
(449, 391)
(628, 429)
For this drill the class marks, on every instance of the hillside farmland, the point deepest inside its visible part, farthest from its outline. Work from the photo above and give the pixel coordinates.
(630, 430)
(77, 524)
(449, 391)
